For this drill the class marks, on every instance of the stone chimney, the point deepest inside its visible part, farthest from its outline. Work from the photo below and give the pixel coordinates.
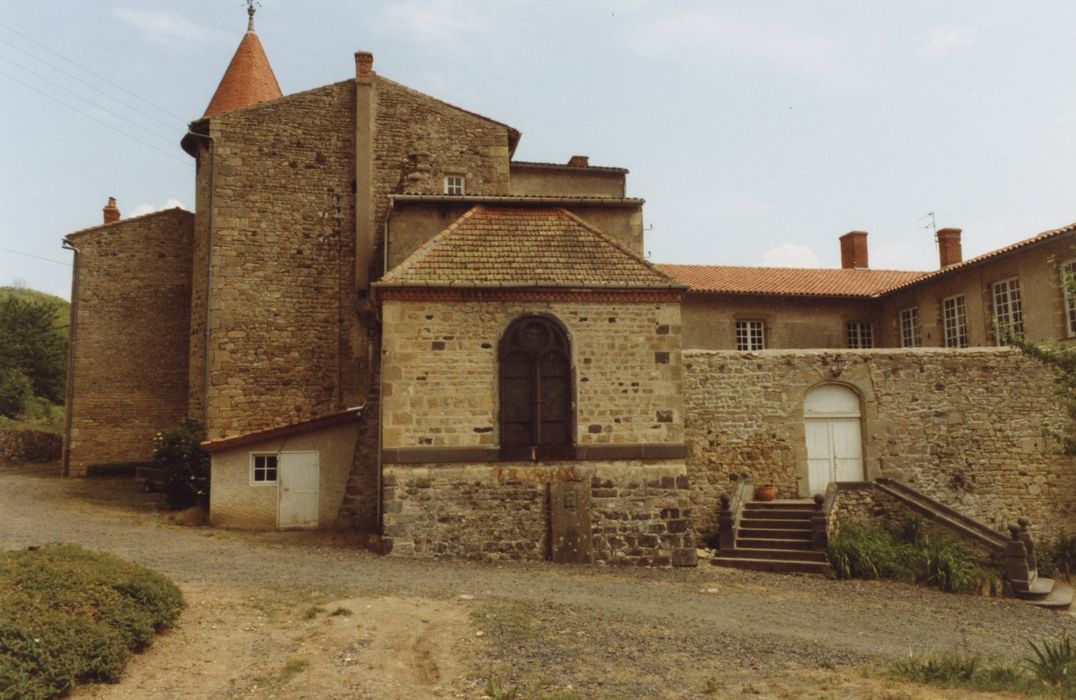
(112, 213)
(579, 162)
(364, 65)
(949, 252)
(854, 250)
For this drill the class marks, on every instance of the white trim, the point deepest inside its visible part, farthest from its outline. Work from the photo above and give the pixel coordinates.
(916, 330)
(960, 322)
(317, 490)
(449, 186)
(1006, 293)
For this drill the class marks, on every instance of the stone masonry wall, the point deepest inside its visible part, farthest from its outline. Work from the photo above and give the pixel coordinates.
(970, 428)
(131, 330)
(286, 342)
(420, 139)
(440, 376)
(640, 512)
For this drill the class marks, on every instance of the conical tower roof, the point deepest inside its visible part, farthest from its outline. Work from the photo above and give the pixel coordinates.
(248, 80)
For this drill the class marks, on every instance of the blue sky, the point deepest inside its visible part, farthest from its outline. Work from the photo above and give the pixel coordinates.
(758, 132)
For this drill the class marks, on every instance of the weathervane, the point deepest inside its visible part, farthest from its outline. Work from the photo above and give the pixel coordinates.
(250, 13)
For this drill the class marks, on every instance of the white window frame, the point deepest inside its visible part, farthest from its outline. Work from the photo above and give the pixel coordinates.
(955, 321)
(254, 456)
(910, 334)
(1067, 273)
(1008, 309)
(855, 336)
(750, 334)
(455, 185)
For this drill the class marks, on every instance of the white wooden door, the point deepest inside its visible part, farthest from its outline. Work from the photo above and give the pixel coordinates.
(298, 490)
(834, 439)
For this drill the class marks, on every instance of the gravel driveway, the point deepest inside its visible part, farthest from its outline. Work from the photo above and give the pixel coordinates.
(604, 632)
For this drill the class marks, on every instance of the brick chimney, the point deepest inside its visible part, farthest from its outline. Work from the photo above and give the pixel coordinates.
(112, 213)
(854, 250)
(579, 162)
(949, 252)
(364, 65)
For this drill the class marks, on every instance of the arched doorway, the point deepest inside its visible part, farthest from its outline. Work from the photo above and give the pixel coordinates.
(535, 391)
(834, 441)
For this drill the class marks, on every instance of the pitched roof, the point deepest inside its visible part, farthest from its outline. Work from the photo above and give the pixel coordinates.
(524, 247)
(788, 280)
(564, 166)
(247, 81)
(1038, 238)
(174, 211)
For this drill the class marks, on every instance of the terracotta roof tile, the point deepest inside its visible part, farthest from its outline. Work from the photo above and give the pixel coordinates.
(248, 80)
(792, 281)
(524, 247)
(1039, 238)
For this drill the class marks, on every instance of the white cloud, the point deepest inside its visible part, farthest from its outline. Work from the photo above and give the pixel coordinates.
(167, 28)
(146, 208)
(936, 42)
(444, 22)
(790, 255)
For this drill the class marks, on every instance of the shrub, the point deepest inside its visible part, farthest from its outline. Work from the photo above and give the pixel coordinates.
(69, 616)
(15, 390)
(867, 552)
(179, 452)
(944, 564)
(1054, 663)
(1057, 556)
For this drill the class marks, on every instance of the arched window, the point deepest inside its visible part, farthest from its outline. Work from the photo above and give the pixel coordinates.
(536, 391)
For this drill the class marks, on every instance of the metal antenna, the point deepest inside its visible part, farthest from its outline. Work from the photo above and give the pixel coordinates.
(932, 226)
(251, 9)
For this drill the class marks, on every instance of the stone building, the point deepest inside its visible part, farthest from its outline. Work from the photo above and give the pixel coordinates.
(386, 323)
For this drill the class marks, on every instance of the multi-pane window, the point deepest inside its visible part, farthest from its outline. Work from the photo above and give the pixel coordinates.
(1068, 279)
(263, 469)
(860, 334)
(1008, 313)
(909, 328)
(955, 322)
(454, 184)
(750, 335)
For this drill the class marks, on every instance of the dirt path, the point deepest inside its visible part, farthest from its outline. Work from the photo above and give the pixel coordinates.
(260, 621)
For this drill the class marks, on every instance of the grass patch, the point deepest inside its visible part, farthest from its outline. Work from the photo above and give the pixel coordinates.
(507, 620)
(292, 668)
(1049, 672)
(70, 616)
(907, 554)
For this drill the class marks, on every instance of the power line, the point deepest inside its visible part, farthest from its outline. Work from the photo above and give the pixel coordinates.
(31, 255)
(91, 72)
(88, 100)
(95, 118)
(87, 84)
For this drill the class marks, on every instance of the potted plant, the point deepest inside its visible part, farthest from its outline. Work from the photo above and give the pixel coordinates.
(765, 492)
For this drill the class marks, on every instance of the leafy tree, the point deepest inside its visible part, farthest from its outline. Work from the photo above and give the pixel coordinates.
(179, 452)
(14, 391)
(31, 345)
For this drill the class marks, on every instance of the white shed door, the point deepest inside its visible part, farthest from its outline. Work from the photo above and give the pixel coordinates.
(834, 441)
(298, 506)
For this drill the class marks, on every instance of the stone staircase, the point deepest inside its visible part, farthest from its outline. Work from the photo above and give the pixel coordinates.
(358, 510)
(775, 536)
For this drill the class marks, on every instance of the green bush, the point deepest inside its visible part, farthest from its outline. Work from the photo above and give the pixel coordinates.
(1058, 556)
(15, 390)
(69, 616)
(905, 554)
(179, 452)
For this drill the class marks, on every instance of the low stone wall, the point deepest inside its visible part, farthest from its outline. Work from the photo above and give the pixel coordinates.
(970, 428)
(640, 512)
(19, 446)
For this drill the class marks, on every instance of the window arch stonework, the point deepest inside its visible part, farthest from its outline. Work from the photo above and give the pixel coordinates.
(536, 417)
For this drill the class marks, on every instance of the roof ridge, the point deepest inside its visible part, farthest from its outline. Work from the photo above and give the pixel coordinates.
(423, 250)
(158, 212)
(449, 104)
(622, 248)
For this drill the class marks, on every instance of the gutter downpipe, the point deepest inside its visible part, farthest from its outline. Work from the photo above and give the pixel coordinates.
(69, 386)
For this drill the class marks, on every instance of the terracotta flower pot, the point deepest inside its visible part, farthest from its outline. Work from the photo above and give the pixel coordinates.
(766, 492)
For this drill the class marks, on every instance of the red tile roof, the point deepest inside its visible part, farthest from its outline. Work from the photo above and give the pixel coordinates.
(248, 80)
(1039, 238)
(788, 280)
(525, 247)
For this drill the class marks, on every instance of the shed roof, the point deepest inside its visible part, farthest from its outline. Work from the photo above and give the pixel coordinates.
(789, 280)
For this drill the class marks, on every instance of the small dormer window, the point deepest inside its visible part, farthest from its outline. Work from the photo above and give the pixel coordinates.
(454, 184)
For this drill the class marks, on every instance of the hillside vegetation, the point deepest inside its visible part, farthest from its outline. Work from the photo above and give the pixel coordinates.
(33, 358)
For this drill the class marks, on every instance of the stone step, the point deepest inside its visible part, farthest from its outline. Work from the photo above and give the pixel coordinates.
(772, 565)
(775, 523)
(1059, 598)
(778, 514)
(779, 554)
(1039, 589)
(781, 533)
(780, 505)
(772, 543)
